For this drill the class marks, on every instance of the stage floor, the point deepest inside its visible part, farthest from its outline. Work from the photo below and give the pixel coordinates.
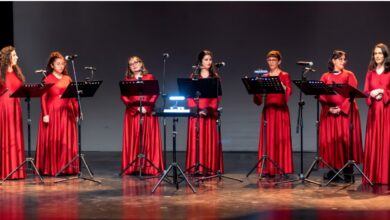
(130, 198)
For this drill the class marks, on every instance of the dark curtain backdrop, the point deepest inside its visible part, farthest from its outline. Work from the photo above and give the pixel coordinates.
(7, 27)
(105, 34)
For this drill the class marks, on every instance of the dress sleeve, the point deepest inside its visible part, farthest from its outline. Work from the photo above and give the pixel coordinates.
(367, 89)
(287, 83)
(150, 100)
(323, 99)
(386, 95)
(345, 106)
(257, 99)
(44, 100)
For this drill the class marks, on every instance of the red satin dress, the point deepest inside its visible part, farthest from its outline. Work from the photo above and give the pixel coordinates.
(11, 129)
(377, 144)
(210, 148)
(57, 140)
(334, 129)
(151, 139)
(279, 147)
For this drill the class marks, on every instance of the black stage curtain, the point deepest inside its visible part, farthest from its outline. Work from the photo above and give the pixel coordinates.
(7, 26)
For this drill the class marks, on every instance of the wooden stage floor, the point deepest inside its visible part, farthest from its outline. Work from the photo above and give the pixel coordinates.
(130, 198)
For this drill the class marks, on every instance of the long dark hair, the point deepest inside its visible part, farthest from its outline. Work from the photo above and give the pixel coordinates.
(53, 56)
(5, 61)
(335, 55)
(386, 61)
(212, 70)
(129, 73)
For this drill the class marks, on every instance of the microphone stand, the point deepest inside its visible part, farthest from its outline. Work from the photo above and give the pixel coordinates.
(79, 156)
(164, 97)
(218, 173)
(299, 129)
(197, 128)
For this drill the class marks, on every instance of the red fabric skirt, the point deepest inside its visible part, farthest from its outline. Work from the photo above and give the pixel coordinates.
(210, 148)
(11, 137)
(377, 144)
(57, 142)
(151, 142)
(334, 138)
(278, 140)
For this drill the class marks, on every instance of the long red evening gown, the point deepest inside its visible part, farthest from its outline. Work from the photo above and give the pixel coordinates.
(210, 148)
(334, 129)
(11, 129)
(278, 139)
(151, 139)
(57, 140)
(377, 144)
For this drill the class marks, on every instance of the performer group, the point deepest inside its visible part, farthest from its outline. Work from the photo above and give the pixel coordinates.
(142, 149)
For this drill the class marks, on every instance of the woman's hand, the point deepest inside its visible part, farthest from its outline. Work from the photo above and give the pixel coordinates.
(143, 110)
(203, 112)
(284, 87)
(45, 119)
(335, 110)
(377, 92)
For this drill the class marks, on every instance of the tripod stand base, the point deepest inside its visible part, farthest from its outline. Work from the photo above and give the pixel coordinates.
(302, 179)
(263, 160)
(315, 163)
(79, 175)
(174, 167)
(353, 164)
(197, 172)
(28, 160)
(219, 175)
(140, 157)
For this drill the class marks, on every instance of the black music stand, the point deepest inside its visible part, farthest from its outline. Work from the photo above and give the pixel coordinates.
(348, 91)
(28, 91)
(316, 88)
(174, 166)
(79, 90)
(140, 88)
(196, 89)
(264, 86)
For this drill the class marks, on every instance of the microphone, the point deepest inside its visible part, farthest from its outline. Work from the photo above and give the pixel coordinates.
(165, 55)
(90, 68)
(196, 66)
(305, 63)
(220, 64)
(310, 69)
(71, 57)
(42, 71)
(260, 71)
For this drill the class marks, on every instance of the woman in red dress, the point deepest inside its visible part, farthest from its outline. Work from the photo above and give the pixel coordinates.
(377, 144)
(278, 139)
(151, 140)
(335, 118)
(57, 131)
(210, 148)
(11, 130)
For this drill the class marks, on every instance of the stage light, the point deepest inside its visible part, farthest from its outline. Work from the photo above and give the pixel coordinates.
(176, 98)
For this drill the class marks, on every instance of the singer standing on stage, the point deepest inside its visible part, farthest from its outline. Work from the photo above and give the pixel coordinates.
(279, 147)
(11, 130)
(377, 144)
(57, 131)
(335, 119)
(151, 139)
(210, 148)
